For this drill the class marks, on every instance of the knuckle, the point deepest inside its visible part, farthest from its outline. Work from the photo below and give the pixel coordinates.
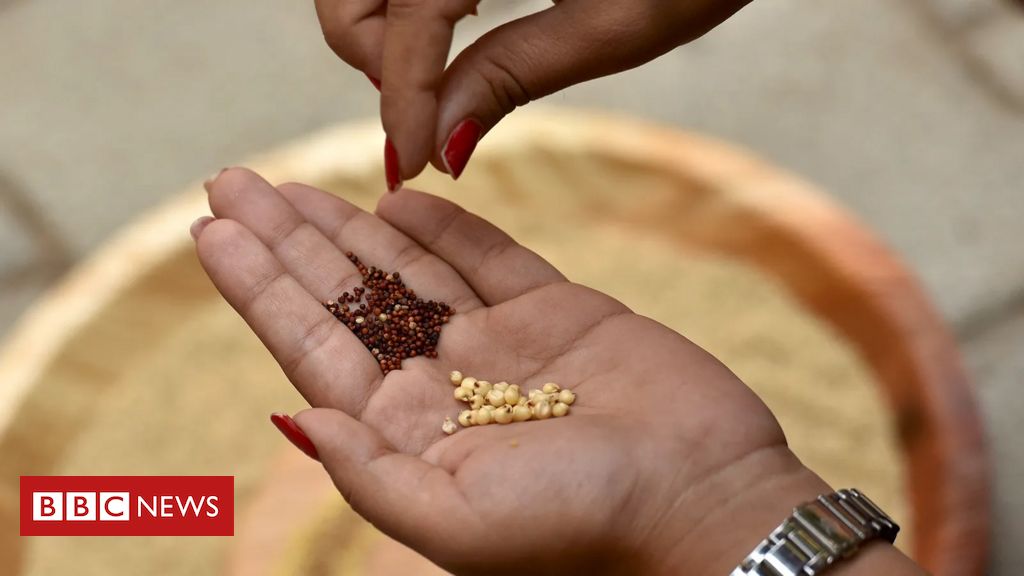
(500, 71)
(289, 188)
(313, 339)
(334, 36)
(451, 10)
(402, 8)
(260, 292)
(335, 40)
(338, 37)
(409, 255)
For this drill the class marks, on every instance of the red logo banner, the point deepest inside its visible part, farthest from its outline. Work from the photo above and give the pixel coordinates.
(127, 505)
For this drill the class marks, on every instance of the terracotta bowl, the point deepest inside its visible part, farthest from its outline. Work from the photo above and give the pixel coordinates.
(79, 363)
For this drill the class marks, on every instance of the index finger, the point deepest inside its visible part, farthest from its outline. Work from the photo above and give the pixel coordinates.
(354, 29)
(418, 37)
(325, 361)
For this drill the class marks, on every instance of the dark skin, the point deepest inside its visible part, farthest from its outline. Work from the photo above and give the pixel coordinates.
(405, 44)
(663, 438)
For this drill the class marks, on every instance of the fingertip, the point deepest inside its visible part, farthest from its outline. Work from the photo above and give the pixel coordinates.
(315, 420)
(208, 183)
(197, 227)
(220, 240)
(408, 150)
(392, 166)
(291, 189)
(236, 176)
(460, 145)
(317, 423)
(229, 184)
(295, 434)
(389, 204)
(345, 440)
(385, 202)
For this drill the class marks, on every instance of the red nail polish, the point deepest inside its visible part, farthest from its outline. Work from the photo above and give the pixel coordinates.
(374, 81)
(392, 171)
(294, 434)
(460, 146)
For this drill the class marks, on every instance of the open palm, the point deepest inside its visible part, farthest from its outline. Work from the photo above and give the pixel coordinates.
(647, 452)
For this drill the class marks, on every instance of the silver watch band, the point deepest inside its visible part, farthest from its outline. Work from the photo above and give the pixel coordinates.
(819, 533)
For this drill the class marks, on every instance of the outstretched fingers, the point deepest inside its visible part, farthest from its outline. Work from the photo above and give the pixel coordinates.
(380, 244)
(321, 357)
(243, 196)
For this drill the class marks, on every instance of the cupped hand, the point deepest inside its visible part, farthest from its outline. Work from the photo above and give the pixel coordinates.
(665, 450)
(435, 113)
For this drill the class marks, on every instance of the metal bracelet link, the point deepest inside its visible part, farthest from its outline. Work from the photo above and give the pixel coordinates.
(818, 534)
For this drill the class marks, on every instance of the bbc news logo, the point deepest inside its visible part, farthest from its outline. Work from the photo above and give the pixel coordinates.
(127, 505)
(107, 506)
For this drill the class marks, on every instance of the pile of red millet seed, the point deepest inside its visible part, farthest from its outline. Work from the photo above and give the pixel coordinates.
(389, 319)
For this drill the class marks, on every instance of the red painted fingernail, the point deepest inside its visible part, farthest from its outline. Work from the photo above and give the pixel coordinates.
(374, 81)
(294, 434)
(392, 171)
(197, 227)
(460, 146)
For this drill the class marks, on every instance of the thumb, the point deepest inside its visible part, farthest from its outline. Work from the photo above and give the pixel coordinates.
(566, 44)
(532, 57)
(404, 496)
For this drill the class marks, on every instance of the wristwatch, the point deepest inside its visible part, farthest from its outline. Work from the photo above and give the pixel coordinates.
(818, 534)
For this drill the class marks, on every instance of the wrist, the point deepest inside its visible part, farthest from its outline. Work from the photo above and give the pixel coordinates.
(744, 503)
